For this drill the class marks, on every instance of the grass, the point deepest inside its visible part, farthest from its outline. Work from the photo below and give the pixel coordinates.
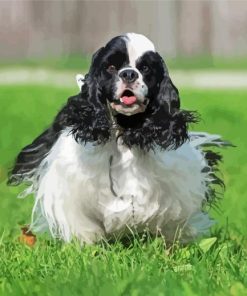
(213, 266)
(79, 62)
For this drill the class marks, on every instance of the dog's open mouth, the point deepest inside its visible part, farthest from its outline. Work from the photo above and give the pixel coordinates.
(128, 103)
(128, 98)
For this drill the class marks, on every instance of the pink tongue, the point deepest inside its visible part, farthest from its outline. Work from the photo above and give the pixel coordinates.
(128, 100)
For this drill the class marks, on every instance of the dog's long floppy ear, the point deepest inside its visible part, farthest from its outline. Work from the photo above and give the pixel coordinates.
(95, 93)
(169, 115)
(168, 95)
(95, 62)
(93, 71)
(93, 124)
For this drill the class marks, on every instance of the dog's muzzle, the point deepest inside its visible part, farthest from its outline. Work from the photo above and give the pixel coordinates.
(129, 104)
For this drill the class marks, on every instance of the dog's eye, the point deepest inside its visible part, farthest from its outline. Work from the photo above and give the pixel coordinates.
(145, 69)
(111, 68)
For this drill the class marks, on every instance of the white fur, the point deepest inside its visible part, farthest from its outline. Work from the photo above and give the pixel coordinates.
(137, 45)
(139, 88)
(161, 190)
(79, 80)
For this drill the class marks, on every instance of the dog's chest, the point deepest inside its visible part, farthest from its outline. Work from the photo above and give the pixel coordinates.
(135, 187)
(125, 171)
(114, 187)
(126, 194)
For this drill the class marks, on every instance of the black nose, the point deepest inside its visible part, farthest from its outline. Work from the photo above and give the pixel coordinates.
(128, 75)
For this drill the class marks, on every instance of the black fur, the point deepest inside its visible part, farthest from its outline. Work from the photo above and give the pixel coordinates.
(31, 156)
(162, 124)
(216, 183)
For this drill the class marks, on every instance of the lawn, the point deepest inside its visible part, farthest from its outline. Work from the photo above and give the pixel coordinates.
(214, 266)
(78, 61)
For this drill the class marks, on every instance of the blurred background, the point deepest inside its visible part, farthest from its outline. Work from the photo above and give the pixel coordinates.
(212, 32)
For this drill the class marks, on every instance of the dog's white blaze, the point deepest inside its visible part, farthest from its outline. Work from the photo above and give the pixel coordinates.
(162, 190)
(137, 45)
(139, 88)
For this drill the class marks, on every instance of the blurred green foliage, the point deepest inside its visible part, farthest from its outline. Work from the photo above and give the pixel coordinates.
(82, 62)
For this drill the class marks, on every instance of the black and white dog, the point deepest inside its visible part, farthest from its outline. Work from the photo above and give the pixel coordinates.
(119, 156)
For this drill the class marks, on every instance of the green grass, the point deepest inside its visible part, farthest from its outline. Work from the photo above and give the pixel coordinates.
(217, 266)
(71, 62)
(81, 62)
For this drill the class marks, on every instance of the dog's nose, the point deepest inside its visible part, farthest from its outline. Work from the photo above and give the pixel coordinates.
(128, 75)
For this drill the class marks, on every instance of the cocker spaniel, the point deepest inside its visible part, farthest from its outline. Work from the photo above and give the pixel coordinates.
(118, 156)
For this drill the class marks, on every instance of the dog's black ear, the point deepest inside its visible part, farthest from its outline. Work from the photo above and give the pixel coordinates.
(94, 81)
(94, 121)
(168, 113)
(96, 61)
(168, 95)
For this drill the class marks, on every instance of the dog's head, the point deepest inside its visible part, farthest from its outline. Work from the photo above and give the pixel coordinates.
(131, 79)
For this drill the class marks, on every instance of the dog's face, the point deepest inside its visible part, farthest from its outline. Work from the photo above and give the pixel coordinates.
(130, 78)
(129, 72)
